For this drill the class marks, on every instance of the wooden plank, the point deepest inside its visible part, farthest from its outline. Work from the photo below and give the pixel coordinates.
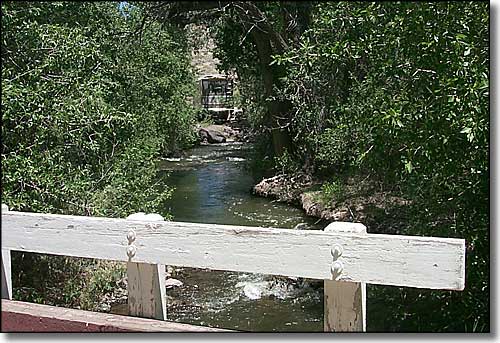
(27, 317)
(344, 302)
(345, 306)
(423, 262)
(146, 290)
(6, 268)
(147, 297)
(6, 275)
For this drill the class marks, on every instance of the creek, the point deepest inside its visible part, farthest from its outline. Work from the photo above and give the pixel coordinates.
(213, 185)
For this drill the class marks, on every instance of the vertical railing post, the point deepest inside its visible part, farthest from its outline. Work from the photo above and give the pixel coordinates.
(6, 268)
(145, 282)
(344, 302)
(6, 275)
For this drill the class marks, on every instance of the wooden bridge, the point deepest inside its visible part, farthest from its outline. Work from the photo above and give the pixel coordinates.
(344, 255)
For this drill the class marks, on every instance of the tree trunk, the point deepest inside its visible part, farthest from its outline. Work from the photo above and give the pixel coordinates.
(278, 114)
(277, 110)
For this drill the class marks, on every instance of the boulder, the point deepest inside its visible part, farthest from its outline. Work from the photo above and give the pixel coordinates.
(211, 136)
(170, 283)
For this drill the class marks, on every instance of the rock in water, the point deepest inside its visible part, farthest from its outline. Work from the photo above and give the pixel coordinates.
(170, 283)
(211, 136)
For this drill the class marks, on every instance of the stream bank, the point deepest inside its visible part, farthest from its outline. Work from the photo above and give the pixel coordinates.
(357, 199)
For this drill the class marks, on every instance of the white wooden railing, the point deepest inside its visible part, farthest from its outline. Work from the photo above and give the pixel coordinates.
(343, 255)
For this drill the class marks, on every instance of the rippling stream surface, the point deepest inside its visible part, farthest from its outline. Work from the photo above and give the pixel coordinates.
(213, 185)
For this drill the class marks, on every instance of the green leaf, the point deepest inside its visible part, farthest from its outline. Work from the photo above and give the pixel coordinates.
(408, 167)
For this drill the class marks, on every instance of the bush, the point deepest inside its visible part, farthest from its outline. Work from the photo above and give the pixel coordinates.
(286, 163)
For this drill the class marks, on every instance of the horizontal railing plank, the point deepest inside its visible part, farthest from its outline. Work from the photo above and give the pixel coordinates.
(423, 262)
(20, 316)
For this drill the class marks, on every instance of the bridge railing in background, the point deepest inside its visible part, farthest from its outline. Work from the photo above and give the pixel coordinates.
(343, 255)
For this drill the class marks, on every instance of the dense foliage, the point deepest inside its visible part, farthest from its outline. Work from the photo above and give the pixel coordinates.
(91, 95)
(400, 91)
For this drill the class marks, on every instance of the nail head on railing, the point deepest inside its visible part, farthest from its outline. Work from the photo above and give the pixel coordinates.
(337, 268)
(131, 250)
(131, 236)
(337, 251)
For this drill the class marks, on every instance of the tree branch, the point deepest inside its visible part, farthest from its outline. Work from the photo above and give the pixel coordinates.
(249, 13)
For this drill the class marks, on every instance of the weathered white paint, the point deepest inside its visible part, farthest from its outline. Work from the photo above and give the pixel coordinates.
(423, 262)
(145, 282)
(345, 306)
(344, 302)
(146, 290)
(6, 268)
(346, 227)
(150, 217)
(6, 275)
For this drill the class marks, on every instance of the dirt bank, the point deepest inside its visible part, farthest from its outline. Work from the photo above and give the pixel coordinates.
(360, 200)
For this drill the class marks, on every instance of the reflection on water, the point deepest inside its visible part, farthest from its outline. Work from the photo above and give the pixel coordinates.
(213, 185)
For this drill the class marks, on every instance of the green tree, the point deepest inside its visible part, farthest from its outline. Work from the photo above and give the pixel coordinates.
(91, 98)
(401, 90)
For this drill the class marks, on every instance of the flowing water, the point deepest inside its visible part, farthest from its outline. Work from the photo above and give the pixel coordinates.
(213, 185)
